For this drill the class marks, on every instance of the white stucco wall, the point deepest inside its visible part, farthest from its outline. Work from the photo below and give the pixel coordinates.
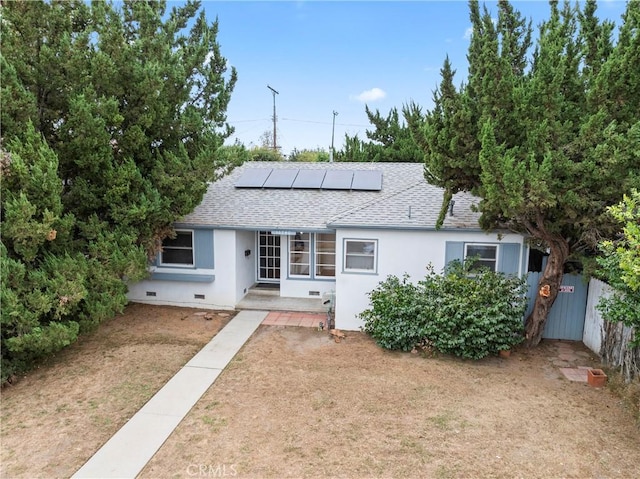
(219, 294)
(174, 293)
(245, 265)
(398, 252)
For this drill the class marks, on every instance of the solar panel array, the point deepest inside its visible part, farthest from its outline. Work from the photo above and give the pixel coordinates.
(290, 178)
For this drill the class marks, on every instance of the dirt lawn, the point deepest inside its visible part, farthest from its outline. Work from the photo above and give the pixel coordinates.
(293, 403)
(59, 415)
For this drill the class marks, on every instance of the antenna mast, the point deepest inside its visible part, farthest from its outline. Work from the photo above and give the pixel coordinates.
(275, 147)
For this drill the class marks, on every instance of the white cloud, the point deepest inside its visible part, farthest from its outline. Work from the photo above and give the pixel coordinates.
(469, 31)
(374, 94)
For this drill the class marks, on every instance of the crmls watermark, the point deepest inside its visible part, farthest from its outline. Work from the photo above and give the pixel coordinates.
(212, 470)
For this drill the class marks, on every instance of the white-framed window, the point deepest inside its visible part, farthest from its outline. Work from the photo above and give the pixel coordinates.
(486, 255)
(360, 255)
(325, 255)
(300, 254)
(178, 251)
(312, 254)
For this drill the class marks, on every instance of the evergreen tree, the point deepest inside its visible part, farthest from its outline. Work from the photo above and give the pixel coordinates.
(112, 119)
(354, 150)
(317, 155)
(133, 105)
(446, 136)
(549, 139)
(390, 141)
(262, 153)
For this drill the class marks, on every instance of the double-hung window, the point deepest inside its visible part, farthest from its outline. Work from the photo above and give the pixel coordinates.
(486, 255)
(178, 251)
(360, 255)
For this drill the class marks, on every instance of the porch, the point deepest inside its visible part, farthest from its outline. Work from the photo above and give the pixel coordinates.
(269, 299)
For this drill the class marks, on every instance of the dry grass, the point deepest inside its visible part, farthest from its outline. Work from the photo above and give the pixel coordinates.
(629, 393)
(293, 403)
(55, 418)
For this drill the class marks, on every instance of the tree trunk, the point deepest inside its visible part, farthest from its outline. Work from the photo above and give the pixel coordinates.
(548, 288)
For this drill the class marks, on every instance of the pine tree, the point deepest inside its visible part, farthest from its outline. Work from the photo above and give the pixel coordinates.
(553, 135)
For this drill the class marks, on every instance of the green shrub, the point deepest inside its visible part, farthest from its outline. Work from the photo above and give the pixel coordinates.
(393, 319)
(470, 314)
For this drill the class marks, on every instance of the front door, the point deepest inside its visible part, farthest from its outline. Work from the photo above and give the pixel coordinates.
(268, 257)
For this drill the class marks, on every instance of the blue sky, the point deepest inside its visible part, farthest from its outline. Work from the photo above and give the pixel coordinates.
(325, 56)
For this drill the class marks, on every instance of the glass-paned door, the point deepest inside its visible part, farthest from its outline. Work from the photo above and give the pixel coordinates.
(268, 257)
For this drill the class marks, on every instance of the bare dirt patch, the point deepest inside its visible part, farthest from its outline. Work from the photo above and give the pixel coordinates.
(293, 403)
(56, 417)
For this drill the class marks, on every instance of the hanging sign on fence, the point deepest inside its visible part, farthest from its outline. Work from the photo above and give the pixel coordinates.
(566, 289)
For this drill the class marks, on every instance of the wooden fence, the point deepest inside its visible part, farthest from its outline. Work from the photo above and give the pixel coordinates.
(609, 340)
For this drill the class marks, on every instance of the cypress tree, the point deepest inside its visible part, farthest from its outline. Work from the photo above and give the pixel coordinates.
(554, 131)
(127, 110)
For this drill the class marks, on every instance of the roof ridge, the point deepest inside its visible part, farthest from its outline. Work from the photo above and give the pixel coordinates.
(374, 201)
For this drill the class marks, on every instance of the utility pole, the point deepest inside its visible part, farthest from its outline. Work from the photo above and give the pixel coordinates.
(275, 147)
(333, 129)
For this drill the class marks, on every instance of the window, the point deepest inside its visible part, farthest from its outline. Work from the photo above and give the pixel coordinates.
(326, 255)
(486, 255)
(312, 253)
(299, 254)
(178, 250)
(360, 255)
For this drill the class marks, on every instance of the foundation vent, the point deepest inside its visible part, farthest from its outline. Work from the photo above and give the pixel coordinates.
(314, 293)
(151, 293)
(198, 296)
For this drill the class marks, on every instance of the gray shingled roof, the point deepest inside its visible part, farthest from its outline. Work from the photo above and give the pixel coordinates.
(403, 188)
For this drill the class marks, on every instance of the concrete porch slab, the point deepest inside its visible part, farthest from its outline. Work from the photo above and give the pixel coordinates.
(270, 302)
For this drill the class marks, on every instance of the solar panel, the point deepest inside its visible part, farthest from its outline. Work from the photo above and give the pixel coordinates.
(309, 179)
(281, 178)
(285, 178)
(337, 180)
(253, 178)
(367, 180)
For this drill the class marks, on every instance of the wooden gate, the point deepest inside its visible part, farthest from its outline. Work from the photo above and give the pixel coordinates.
(566, 318)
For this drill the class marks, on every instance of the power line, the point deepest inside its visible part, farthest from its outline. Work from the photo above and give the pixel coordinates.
(246, 121)
(323, 122)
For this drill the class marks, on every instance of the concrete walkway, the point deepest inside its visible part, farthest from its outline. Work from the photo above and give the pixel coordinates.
(129, 450)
